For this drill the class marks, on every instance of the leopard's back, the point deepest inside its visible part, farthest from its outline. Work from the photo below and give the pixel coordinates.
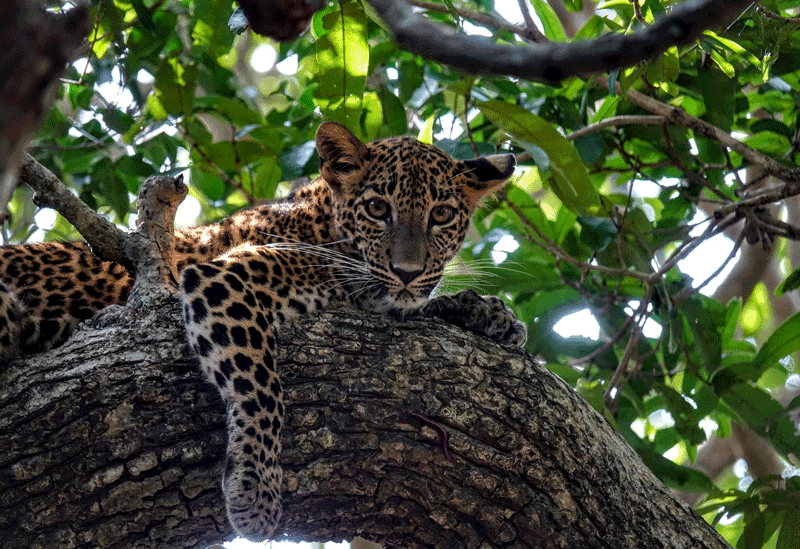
(46, 289)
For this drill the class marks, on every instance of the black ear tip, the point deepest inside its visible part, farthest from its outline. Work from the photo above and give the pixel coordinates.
(512, 162)
(492, 168)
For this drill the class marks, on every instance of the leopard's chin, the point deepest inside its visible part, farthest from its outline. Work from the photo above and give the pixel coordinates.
(401, 302)
(405, 300)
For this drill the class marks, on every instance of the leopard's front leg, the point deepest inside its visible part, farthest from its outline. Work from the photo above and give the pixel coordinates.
(232, 307)
(485, 315)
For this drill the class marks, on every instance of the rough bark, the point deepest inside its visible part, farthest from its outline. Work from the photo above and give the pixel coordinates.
(115, 440)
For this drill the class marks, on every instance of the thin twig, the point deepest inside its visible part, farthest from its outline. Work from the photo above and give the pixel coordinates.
(773, 194)
(693, 177)
(771, 15)
(607, 345)
(621, 120)
(679, 117)
(526, 14)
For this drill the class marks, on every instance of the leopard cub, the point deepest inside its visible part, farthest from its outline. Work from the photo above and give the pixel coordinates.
(374, 231)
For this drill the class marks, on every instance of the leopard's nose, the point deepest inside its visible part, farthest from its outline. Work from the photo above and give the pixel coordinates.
(406, 276)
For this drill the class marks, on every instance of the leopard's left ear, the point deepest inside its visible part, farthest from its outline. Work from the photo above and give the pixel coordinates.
(343, 158)
(487, 174)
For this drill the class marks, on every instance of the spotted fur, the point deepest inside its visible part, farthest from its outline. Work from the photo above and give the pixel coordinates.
(374, 231)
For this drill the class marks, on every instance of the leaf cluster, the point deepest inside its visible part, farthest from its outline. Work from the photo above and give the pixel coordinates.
(607, 205)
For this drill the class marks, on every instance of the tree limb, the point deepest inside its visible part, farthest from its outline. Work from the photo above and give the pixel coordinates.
(552, 62)
(115, 440)
(105, 239)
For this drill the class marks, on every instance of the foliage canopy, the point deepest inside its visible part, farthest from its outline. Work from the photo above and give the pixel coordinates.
(610, 197)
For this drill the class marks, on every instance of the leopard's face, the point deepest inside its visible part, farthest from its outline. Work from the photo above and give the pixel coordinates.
(405, 206)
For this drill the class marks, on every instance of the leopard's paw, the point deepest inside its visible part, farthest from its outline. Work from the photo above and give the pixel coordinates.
(486, 315)
(252, 489)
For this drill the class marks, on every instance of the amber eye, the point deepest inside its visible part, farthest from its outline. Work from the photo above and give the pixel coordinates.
(379, 209)
(442, 214)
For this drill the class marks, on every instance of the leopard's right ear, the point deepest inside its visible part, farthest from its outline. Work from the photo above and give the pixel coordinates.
(343, 157)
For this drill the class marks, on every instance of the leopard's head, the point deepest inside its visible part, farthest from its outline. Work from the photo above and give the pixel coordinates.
(405, 206)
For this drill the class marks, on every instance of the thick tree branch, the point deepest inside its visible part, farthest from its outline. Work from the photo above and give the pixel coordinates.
(105, 239)
(115, 440)
(552, 62)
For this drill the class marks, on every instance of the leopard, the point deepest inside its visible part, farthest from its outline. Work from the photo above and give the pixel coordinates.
(374, 231)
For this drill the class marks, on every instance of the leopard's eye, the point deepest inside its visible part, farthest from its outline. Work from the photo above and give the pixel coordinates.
(442, 214)
(379, 209)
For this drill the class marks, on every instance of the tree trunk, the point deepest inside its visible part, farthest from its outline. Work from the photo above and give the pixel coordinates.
(115, 440)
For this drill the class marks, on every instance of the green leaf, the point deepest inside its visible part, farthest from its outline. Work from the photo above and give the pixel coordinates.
(731, 321)
(394, 115)
(267, 177)
(784, 341)
(425, 134)
(790, 530)
(591, 29)
(104, 38)
(570, 180)
(597, 232)
(293, 161)
(769, 125)
(175, 86)
(144, 15)
(209, 184)
(342, 63)
(211, 29)
(674, 475)
(703, 323)
(373, 115)
(686, 422)
(230, 110)
(665, 68)
(117, 120)
(550, 23)
(753, 535)
(111, 187)
(732, 46)
(718, 95)
(764, 415)
(769, 142)
(231, 157)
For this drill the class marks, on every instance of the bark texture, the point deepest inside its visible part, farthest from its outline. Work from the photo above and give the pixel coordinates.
(115, 440)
